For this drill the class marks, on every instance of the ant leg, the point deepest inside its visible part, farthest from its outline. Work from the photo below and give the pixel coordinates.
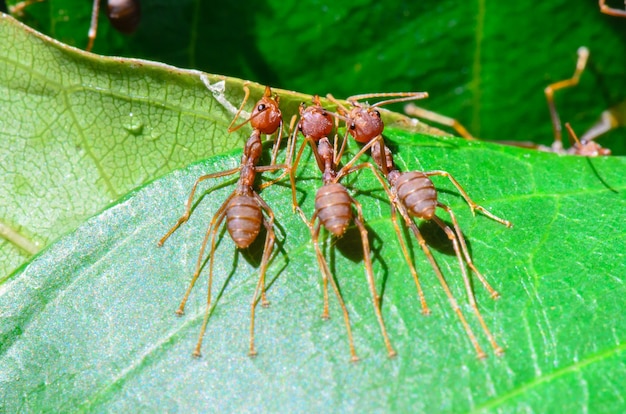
(399, 235)
(442, 281)
(189, 204)
(214, 226)
(472, 204)
(370, 276)
(321, 261)
(93, 26)
(267, 252)
(583, 55)
(610, 10)
(326, 275)
(413, 110)
(246, 95)
(277, 142)
(468, 286)
(400, 97)
(213, 229)
(18, 8)
(468, 259)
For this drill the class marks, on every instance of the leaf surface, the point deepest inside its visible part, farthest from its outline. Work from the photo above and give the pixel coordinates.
(90, 322)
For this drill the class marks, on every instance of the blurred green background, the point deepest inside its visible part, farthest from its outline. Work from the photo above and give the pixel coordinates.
(484, 63)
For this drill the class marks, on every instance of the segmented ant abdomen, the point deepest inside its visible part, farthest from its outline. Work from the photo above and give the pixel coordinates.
(316, 123)
(417, 193)
(333, 205)
(366, 124)
(124, 15)
(243, 220)
(266, 116)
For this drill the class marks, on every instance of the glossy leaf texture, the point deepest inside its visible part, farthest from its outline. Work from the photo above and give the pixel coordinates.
(78, 131)
(89, 324)
(483, 63)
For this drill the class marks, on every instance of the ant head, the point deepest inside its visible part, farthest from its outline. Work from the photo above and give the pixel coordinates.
(266, 116)
(315, 121)
(364, 124)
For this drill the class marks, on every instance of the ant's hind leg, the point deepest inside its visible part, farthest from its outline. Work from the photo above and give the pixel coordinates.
(189, 203)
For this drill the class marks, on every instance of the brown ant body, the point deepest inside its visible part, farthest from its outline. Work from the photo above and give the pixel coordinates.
(243, 209)
(124, 16)
(333, 206)
(414, 195)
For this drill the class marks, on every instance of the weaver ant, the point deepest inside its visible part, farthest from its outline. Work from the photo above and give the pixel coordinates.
(124, 16)
(243, 209)
(586, 146)
(333, 205)
(414, 195)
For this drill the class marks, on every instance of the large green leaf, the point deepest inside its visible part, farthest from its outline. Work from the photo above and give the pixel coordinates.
(485, 63)
(78, 131)
(89, 324)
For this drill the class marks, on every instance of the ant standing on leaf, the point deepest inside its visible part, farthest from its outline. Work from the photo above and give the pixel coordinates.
(243, 209)
(124, 16)
(333, 205)
(414, 195)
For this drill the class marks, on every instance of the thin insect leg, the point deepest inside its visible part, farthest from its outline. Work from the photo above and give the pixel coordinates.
(18, 8)
(610, 10)
(207, 312)
(93, 26)
(583, 55)
(277, 142)
(269, 243)
(214, 226)
(246, 95)
(293, 169)
(468, 259)
(189, 203)
(321, 261)
(394, 220)
(468, 286)
(370, 276)
(401, 97)
(472, 204)
(442, 281)
(326, 276)
(413, 110)
(267, 252)
(346, 169)
(409, 261)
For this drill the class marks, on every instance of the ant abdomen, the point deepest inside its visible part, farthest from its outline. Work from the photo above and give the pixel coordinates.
(243, 220)
(417, 192)
(124, 15)
(333, 205)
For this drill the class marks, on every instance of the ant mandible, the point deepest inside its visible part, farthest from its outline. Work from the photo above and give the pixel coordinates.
(243, 209)
(414, 195)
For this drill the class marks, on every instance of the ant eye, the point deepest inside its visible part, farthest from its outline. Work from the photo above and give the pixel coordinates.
(377, 113)
(261, 107)
(353, 126)
(325, 114)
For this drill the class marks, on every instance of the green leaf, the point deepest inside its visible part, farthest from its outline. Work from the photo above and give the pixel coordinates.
(90, 322)
(480, 60)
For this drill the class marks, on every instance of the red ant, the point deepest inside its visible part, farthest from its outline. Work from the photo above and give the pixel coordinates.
(414, 195)
(243, 209)
(333, 205)
(124, 16)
